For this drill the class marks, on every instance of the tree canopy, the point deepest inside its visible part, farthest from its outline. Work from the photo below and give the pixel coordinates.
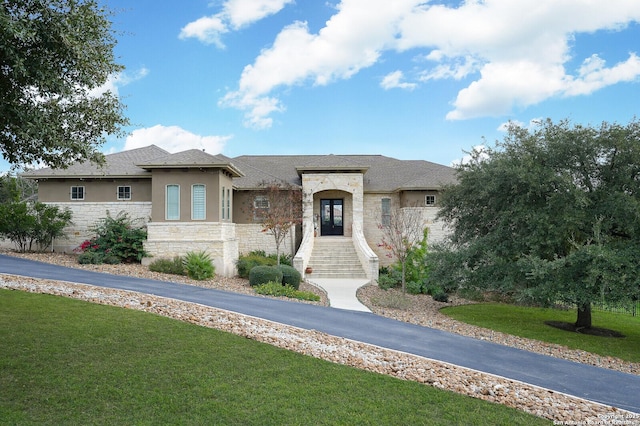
(54, 54)
(548, 215)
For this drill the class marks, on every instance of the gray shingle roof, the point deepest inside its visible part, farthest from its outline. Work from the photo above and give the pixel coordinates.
(121, 164)
(191, 158)
(382, 174)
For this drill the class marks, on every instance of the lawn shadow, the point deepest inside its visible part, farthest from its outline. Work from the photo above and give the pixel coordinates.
(592, 331)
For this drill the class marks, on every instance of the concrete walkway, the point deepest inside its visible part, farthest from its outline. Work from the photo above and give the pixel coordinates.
(342, 292)
(584, 381)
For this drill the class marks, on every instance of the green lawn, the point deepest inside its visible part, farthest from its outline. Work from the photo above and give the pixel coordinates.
(529, 323)
(64, 361)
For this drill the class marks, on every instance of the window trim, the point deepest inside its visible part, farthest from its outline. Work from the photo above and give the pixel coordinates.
(204, 201)
(166, 202)
(76, 198)
(432, 204)
(125, 198)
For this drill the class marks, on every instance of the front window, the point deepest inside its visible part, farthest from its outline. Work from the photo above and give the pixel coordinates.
(430, 200)
(77, 192)
(198, 204)
(124, 193)
(173, 202)
(386, 212)
(226, 203)
(260, 207)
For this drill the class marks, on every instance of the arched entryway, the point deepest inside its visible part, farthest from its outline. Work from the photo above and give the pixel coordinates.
(333, 213)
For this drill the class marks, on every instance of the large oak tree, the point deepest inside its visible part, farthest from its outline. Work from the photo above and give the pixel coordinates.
(549, 215)
(54, 54)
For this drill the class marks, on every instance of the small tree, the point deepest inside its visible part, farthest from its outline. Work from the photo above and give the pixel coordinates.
(25, 224)
(279, 209)
(402, 231)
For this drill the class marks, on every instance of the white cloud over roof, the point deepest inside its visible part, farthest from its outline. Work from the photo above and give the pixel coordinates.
(513, 53)
(174, 139)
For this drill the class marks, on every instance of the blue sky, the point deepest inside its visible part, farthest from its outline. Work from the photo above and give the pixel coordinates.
(404, 78)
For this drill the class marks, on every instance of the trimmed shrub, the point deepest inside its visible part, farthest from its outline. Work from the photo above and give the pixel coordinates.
(173, 266)
(278, 290)
(290, 276)
(262, 274)
(441, 297)
(91, 258)
(255, 258)
(198, 265)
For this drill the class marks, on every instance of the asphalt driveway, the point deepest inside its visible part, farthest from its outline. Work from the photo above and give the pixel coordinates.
(596, 384)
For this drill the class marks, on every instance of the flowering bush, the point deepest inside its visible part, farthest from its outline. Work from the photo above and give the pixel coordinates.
(117, 240)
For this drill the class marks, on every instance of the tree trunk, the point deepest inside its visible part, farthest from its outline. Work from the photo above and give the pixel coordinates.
(584, 316)
(404, 286)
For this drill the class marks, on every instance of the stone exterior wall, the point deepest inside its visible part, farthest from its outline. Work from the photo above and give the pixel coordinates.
(372, 213)
(86, 214)
(169, 239)
(250, 237)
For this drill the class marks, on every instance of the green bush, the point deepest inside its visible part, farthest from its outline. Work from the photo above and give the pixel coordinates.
(389, 279)
(111, 259)
(262, 274)
(27, 223)
(91, 258)
(290, 276)
(198, 265)
(255, 258)
(414, 287)
(173, 266)
(276, 289)
(441, 297)
(120, 237)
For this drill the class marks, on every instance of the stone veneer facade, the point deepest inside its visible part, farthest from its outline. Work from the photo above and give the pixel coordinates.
(373, 234)
(250, 238)
(169, 239)
(86, 214)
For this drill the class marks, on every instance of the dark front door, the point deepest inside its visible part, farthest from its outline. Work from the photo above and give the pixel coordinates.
(331, 217)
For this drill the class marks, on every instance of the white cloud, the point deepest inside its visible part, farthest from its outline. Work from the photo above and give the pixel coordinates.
(115, 81)
(513, 52)
(207, 29)
(394, 79)
(234, 15)
(352, 39)
(594, 75)
(174, 139)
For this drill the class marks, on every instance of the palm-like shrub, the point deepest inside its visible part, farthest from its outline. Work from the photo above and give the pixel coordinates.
(198, 265)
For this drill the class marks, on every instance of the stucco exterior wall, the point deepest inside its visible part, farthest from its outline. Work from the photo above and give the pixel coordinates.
(86, 214)
(214, 180)
(95, 190)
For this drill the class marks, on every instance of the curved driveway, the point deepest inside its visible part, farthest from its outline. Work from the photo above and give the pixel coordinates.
(596, 384)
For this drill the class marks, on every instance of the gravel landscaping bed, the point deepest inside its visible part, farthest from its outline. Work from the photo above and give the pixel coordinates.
(420, 310)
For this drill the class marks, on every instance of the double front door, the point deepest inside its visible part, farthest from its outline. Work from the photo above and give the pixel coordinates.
(331, 217)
